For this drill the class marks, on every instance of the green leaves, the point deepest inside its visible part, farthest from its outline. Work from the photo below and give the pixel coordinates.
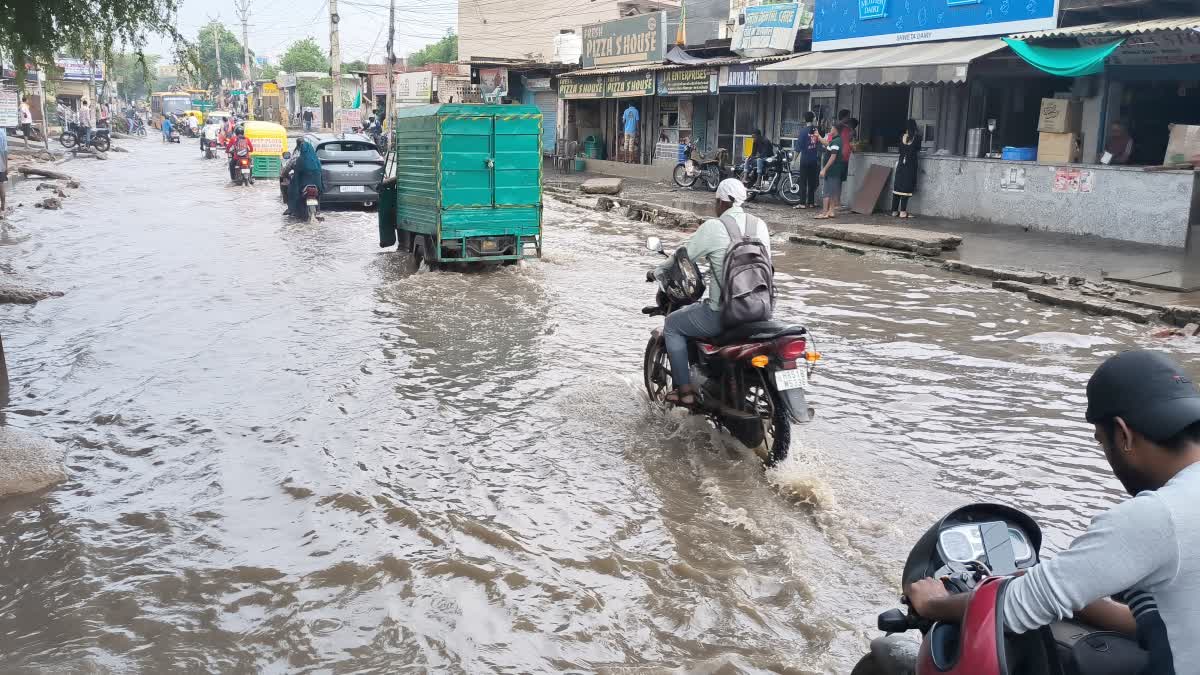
(442, 51)
(303, 56)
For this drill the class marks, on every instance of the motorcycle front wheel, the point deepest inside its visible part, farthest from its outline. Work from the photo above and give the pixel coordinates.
(67, 138)
(681, 177)
(712, 177)
(656, 370)
(789, 190)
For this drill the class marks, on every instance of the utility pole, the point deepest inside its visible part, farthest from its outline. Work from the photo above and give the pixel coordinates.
(243, 11)
(335, 61)
(391, 69)
(218, 30)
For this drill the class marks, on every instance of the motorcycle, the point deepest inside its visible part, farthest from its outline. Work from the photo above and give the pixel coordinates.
(979, 548)
(74, 132)
(750, 380)
(242, 175)
(697, 167)
(312, 202)
(778, 179)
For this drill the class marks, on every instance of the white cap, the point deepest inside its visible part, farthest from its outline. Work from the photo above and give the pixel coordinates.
(731, 190)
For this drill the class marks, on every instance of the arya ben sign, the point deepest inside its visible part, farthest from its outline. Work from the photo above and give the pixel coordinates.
(636, 39)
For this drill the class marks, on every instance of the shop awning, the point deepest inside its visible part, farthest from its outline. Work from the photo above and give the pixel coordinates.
(1117, 28)
(918, 63)
(1065, 61)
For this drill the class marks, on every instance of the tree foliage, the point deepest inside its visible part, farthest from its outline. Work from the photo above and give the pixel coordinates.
(206, 54)
(303, 56)
(356, 65)
(134, 78)
(310, 91)
(442, 51)
(35, 30)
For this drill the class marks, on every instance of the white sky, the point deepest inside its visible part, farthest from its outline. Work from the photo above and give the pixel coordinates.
(275, 24)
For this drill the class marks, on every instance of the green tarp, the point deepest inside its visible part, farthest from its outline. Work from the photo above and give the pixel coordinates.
(1069, 62)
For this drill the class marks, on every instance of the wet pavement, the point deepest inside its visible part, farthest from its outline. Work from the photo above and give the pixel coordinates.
(288, 452)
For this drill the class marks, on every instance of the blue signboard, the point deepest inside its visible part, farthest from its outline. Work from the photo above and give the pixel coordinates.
(846, 24)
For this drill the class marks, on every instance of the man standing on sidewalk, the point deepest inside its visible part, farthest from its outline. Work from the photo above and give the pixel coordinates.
(308, 120)
(808, 148)
(630, 118)
(26, 118)
(86, 121)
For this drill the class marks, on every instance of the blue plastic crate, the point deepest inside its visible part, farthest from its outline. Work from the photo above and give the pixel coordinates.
(1018, 154)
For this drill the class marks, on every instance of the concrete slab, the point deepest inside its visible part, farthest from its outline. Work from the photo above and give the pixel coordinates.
(28, 462)
(1180, 282)
(900, 238)
(602, 186)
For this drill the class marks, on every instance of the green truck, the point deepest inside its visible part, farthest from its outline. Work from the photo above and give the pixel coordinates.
(463, 183)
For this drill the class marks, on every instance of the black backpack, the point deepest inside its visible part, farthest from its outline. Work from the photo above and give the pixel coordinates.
(748, 286)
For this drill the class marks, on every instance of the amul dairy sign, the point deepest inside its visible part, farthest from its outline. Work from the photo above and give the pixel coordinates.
(636, 39)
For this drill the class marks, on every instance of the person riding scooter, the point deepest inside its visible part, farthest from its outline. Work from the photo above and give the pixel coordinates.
(1146, 412)
(238, 147)
(703, 319)
(209, 135)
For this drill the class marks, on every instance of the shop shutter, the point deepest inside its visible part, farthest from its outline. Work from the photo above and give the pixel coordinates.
(547, 102)
(700, 123)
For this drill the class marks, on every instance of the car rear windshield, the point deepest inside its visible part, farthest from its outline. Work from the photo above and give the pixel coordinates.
(347, 146)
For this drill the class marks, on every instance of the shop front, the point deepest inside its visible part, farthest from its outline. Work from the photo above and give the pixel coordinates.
(743, 105)
(684, 100)
(597, 117)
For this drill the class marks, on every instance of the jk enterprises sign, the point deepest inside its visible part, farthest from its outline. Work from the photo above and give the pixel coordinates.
(677, 82)
(636, 39)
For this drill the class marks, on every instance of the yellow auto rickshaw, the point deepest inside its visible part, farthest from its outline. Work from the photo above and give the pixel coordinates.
(270, 143)
(198, 114)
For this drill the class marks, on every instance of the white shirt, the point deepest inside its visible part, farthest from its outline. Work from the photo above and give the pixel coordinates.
(26, 115)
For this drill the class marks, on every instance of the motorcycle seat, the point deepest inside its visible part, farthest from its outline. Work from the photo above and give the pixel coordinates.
(758, 331)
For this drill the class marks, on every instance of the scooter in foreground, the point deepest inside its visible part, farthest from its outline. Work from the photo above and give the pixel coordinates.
(750, 380)
(978, 548)
(241, 173)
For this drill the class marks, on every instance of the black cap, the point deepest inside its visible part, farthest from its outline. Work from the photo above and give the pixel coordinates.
(1148, 390)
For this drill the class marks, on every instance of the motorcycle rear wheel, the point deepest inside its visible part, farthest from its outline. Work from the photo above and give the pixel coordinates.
(67, 138)
(312, 214)
(776, 423)
(656, 370)
(681, 177)
(712, 177)
(868, 666)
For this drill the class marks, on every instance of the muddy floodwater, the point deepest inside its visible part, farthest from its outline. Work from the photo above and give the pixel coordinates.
(290, 453)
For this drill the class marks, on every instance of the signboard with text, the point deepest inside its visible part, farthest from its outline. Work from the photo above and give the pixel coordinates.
(493, 84)
(79, 70)
(738, 77)
(687, 82)
(767, 30)
(9, 101)
(1166, 48)
(629, 84)
(635, 39)
(848, 24)
(414, 88)
(581, 87)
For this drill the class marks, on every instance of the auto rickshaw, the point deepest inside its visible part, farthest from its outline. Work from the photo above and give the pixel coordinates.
(270, 144)
(198, 114)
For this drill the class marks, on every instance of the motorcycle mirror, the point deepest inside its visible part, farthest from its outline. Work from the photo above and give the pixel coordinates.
(654, 244)
(893, 621)
(287, 155)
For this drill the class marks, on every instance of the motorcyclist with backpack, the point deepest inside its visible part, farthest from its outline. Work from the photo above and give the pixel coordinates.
(713, 243)
(237, 146)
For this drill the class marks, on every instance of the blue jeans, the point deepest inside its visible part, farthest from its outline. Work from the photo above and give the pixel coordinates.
(308, 125)
(693, 321)
(759, 162)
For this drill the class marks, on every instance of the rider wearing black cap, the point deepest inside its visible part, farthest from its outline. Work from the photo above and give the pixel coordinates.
(1146, 412)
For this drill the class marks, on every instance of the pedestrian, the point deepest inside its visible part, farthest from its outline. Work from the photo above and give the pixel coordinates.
(630, 119)
(166, 129)
(308, 120)
(26, 117)
(905, 181)
(833, 173)
(808, 148)
(86, 121)
(3, 172)
(1118, 147)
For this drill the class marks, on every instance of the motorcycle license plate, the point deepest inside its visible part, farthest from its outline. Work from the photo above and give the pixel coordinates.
(792, 379)
(352, 188)
(245, 170)
(311, 202)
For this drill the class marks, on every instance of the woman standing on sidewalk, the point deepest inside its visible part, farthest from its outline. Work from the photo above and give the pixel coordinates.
(905, 181)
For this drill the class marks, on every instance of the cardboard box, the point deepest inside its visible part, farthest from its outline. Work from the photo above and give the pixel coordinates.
(1183, 145)
(1059, 115)
(1057, 148)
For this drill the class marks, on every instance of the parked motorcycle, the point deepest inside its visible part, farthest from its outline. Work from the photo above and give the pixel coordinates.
(778, 179)
(978, 548)
(75, 132)
(697, 167)
(751, 380)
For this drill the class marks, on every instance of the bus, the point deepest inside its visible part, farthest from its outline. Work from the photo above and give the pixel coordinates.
(163, 103)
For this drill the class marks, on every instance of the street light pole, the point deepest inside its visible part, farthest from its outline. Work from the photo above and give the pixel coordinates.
(243, 10)
(218, 29)
(391, 68)
(335, 60)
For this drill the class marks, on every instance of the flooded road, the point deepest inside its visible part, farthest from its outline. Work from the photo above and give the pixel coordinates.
(288, 453)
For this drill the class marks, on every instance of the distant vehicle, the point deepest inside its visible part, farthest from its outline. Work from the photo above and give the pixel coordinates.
(163, 103)
(351, 167)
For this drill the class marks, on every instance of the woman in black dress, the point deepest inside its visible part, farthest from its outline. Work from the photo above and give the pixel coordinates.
(905, 182)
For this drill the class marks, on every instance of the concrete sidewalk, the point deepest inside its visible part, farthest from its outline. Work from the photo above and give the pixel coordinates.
(1161, 277)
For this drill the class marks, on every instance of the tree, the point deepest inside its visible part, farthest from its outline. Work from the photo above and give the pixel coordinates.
(268, 72)
(303, 56)
(36, 30)
(310, 91)
(133, 81)
(206, 56)
(357, 65)
(442, 51)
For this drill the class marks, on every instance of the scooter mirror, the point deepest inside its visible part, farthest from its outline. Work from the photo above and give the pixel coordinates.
(287, 155)
(893, 621)
(654, 244)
